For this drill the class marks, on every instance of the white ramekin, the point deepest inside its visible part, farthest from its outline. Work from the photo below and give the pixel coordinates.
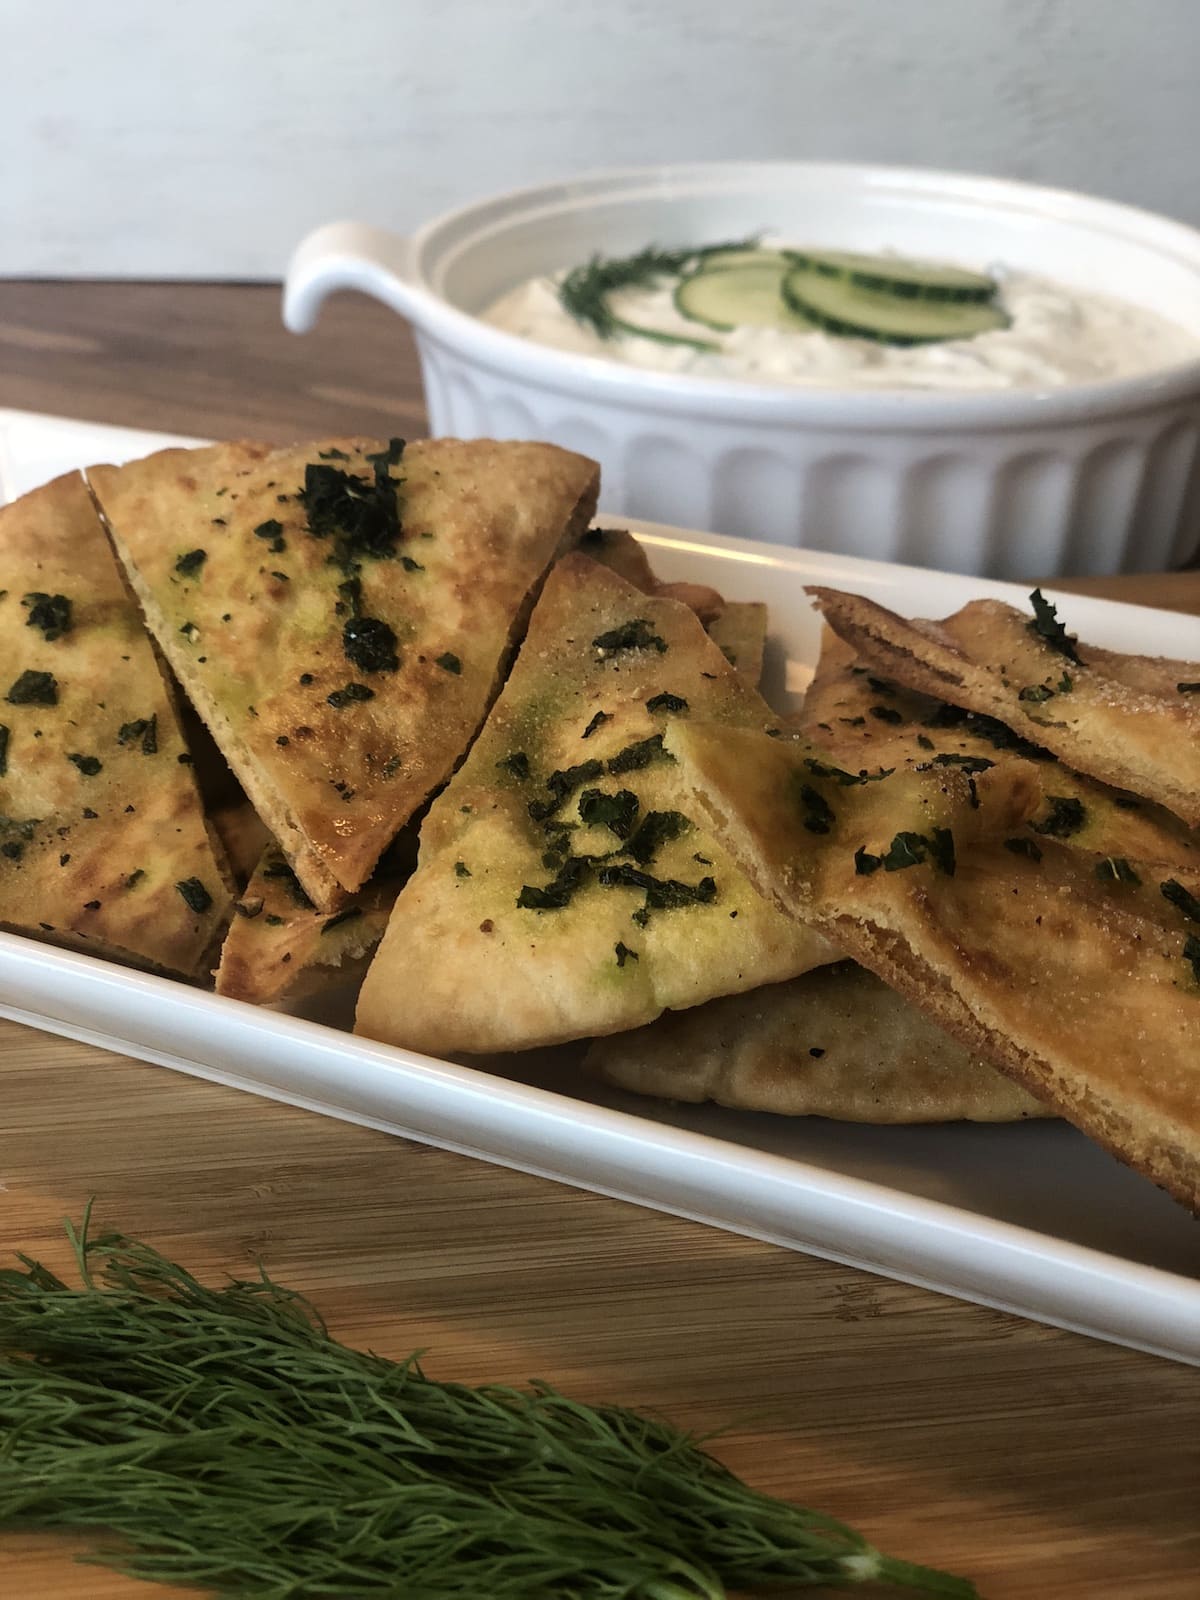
(1083, 479)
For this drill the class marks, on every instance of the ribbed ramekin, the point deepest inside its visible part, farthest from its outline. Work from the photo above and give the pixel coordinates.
(1095, 478)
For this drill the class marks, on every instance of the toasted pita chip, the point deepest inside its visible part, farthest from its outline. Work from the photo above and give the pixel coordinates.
(281, 947)
(833, 1043)
(561, 892)
(1124, 720)
(341, 616)
(737, 627)
(103, 841)
(243, 837)
(1085, 990)
(740, 633)
(862, 718)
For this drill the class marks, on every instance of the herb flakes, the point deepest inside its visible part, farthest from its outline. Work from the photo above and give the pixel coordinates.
(449, 662)
(189, 564)
(662, 894)
(49, 612)
(88, 765)
(272, 531)
(516, 765)
(634, 635)
(195, 896)
(280, 872)
(351, 694)
(666, 702)
(561, 784)
(817, 815)
(144, 731)
(1183, 899)
(638, 755)
(597, 721)
(1067, 816)
(370, 644)
(623, 953)
(33, 689)
(655, 829)
(616, 812)
(1050, 630)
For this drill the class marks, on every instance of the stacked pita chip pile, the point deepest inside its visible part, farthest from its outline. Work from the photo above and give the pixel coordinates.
(456, 733)
(1062, 947)
(341, 615)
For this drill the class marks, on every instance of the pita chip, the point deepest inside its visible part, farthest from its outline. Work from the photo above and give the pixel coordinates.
(1132, 722)
(1082, 987)
(341, 615)
(103, 841)
(562, 891)
(832, 1043)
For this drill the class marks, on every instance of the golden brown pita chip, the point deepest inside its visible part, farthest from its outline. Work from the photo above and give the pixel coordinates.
(562, 891)
(243, 837)
(103, 842)
(740, 633)
(1130, 722)
(341, 614)
(737, 627)
(833, 1043)
(281, 947)
(863, 719)
(1083, 988)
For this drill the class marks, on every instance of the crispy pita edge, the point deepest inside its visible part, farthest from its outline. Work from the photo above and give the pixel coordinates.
(1157, 1152)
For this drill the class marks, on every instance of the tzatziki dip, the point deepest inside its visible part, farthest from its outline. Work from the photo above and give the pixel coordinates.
(776, 315)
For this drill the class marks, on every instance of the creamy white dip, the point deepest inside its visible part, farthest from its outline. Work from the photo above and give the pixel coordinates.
(1056, 336)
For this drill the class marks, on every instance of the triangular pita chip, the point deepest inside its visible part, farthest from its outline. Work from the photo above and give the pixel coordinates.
(1132, 722)
(864, 719)
(738, 627)
(280, 947)
(341, 615)
(1084, 989)
(561, 890)
(103, 841)
(832, 1043)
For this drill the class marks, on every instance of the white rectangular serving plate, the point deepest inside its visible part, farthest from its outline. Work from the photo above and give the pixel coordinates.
(1030, 1218)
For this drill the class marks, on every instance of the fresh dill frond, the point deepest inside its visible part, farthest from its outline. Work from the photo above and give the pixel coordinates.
(585, 290)
(222, 1439)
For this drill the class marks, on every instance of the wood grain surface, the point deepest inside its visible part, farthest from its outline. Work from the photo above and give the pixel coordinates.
(1045, 1465)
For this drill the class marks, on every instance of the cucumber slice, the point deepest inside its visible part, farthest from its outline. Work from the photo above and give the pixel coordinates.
(720, 260)
(739, 297)
(841, 307)
(912, 280)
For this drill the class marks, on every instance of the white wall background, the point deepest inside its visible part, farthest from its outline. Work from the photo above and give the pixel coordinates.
(161, 138)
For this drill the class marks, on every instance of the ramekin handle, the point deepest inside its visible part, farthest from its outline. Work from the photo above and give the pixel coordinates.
(347, 255)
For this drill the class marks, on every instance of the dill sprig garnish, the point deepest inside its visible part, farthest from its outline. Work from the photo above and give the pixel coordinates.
(585, 290)
(224, 1440)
